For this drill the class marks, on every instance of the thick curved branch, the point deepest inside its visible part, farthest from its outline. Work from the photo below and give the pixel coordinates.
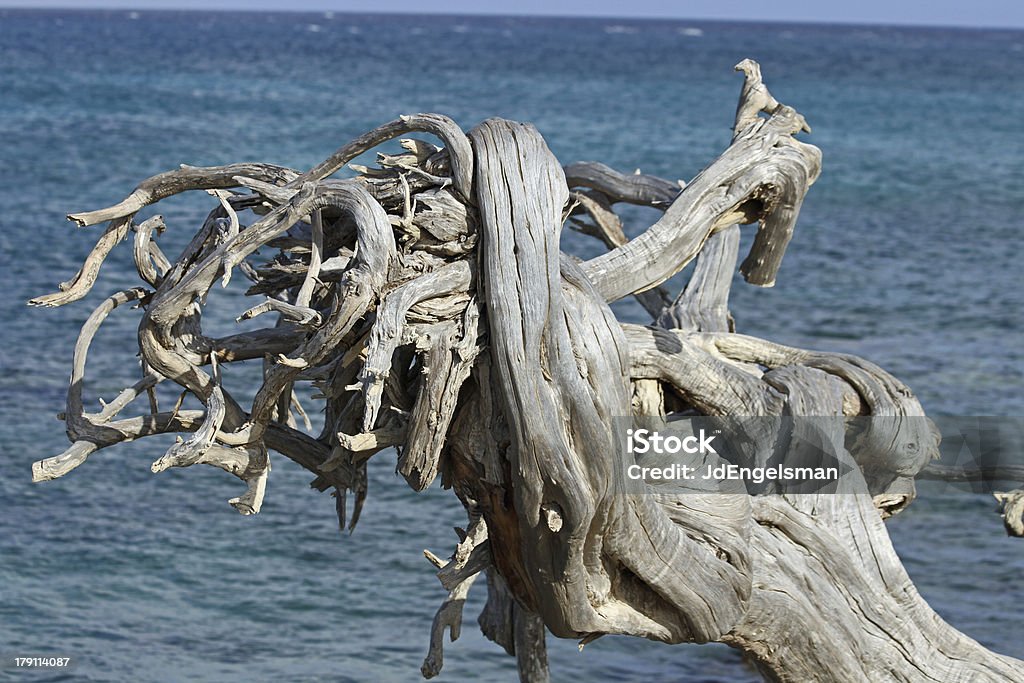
(762, 176)
(637, 188)
(75, 406)
(607, 227)
(703, 305)
(185, 179)
(711, 385)
(558, 352)
(80, 284)
(460, 154)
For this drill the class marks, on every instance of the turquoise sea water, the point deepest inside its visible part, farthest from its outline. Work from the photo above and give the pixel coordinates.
(907, 253)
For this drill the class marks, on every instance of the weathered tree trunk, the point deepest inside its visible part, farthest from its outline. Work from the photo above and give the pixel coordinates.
(430, 303)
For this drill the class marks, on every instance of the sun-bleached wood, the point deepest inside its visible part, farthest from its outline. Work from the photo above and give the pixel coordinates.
(428, 302)
(1011, 504)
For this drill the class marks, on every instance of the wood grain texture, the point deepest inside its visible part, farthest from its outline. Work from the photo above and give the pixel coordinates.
(429, 304)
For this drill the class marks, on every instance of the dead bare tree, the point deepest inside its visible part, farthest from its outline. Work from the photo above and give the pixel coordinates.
(430, 304)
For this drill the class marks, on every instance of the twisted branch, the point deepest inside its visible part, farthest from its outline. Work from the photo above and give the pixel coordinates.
(428, 303)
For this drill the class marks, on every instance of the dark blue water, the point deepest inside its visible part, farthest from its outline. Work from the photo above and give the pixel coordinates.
(908, 253)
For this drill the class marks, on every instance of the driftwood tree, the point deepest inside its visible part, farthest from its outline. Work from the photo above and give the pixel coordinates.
(430, 304)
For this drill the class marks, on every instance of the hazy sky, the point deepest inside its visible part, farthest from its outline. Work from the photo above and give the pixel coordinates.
(995, 13)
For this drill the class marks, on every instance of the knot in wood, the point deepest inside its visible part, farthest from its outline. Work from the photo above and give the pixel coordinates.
(552, 515)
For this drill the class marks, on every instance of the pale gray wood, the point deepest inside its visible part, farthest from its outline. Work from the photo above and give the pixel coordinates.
(460, 155)
(449, 616)
(762, 176)
(607, 227)
(447, 362)
(1011, 504)
(636, 188)
(428, 303)
(150, 262)
(703, 305)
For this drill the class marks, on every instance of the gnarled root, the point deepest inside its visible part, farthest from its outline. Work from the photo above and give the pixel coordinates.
(428, 303)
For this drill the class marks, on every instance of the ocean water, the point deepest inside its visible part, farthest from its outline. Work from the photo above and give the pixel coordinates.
(907, 253)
